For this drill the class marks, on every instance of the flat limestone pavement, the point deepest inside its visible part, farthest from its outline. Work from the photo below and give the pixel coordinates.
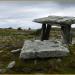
(43, 49)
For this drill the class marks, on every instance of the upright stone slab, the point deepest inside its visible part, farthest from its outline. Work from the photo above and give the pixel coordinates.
(48, 28)
(66, 34)
(63, 33)
(43, 32)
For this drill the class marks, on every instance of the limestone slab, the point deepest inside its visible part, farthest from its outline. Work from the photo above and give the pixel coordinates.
(42, 49)
(56, 20)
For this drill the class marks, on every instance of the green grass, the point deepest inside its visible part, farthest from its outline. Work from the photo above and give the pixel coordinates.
(11, 39)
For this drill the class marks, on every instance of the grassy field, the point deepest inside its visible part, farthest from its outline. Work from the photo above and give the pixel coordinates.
(11, 39)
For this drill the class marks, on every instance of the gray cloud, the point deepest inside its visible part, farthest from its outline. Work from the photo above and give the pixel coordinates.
(21, 13)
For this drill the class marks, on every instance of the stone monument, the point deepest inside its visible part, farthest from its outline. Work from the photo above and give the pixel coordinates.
(45, 48)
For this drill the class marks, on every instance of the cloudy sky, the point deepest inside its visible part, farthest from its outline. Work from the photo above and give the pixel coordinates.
(21, 13)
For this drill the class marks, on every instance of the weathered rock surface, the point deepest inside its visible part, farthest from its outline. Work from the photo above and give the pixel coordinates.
(42, 49)
(15, 51)
(11, 64)
(56, 19)
(73, 42)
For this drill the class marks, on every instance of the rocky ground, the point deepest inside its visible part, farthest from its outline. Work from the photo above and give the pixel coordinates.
(11, 42)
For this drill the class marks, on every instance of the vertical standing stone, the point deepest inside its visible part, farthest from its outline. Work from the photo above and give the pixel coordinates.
(66, 34)
(48, 28)
(43, 32)
(63, 33)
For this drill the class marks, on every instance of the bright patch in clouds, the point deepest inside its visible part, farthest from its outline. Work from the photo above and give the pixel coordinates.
(20, 14)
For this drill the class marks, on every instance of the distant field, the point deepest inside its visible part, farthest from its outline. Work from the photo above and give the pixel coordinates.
(11, 39)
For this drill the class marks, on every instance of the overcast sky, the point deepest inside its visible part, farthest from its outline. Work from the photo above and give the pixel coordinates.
(21, 13)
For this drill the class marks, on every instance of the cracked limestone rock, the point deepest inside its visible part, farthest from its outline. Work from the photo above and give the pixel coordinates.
(42, 49)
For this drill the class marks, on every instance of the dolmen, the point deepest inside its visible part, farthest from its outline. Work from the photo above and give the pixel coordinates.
(33, 49)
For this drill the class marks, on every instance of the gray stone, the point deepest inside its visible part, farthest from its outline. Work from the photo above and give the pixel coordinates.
(43, 49)
(56, 20)
(1, 51)
(59, 60)
(2, 70)
(73, 42)
(11, 65)
(15, 51)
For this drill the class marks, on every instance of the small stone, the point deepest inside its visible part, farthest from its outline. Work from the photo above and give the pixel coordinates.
(11, 65)
(2, 70)
(1, 51)
(15, 51)
(59, 60)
